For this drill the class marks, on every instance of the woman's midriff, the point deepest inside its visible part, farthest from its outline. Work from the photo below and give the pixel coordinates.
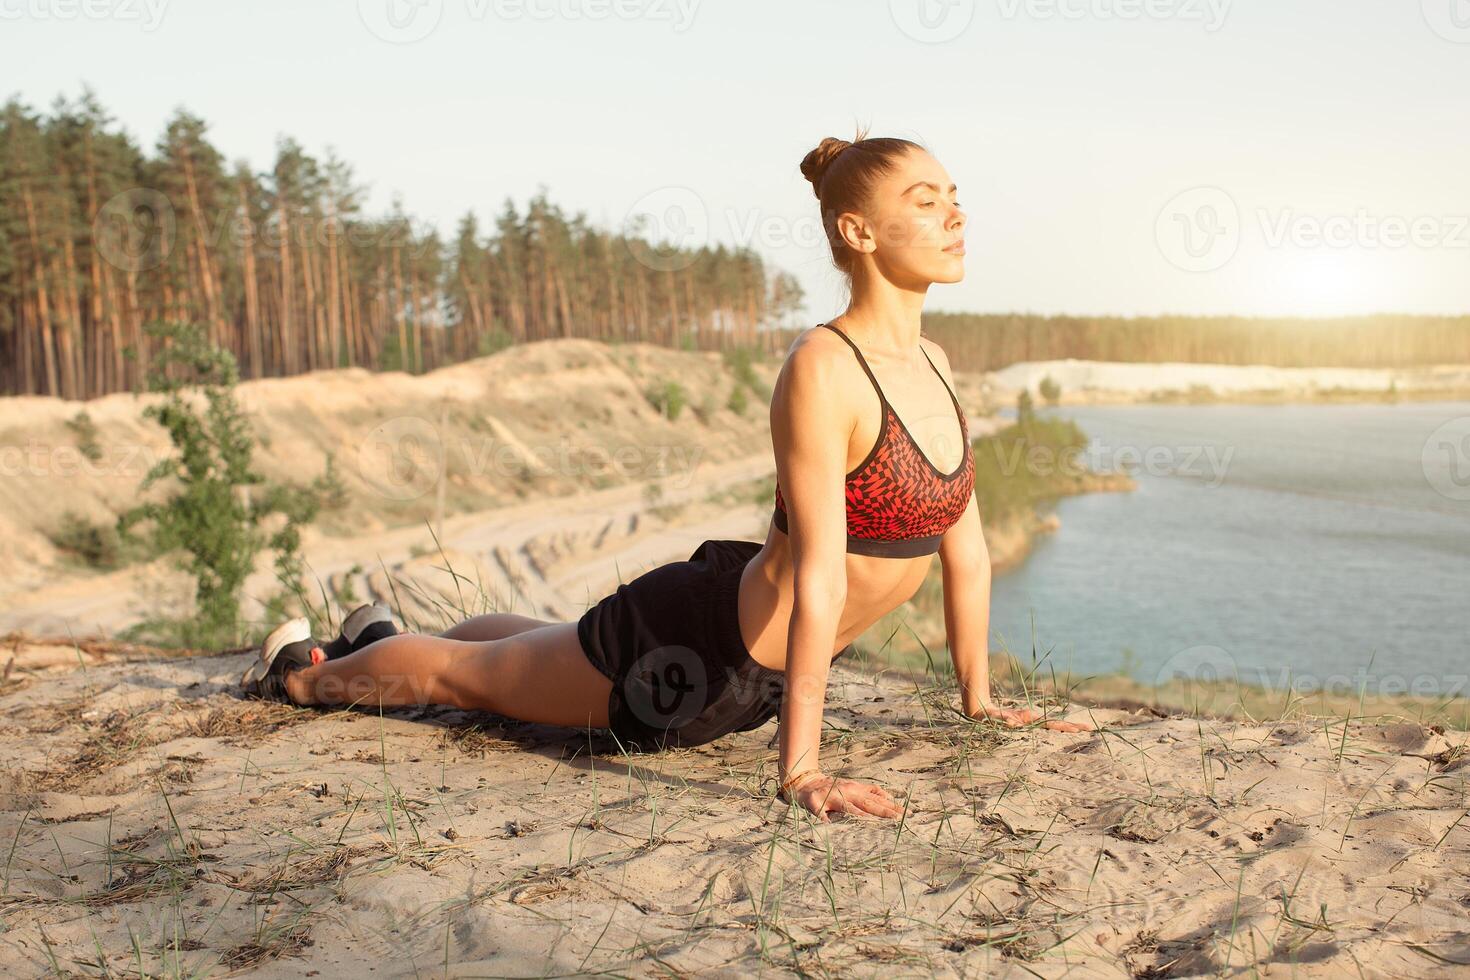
(875, 587)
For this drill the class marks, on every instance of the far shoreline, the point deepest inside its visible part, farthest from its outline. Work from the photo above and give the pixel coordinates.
(1199, 383)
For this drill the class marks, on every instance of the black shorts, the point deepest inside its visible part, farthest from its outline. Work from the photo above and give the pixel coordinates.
(670, 642)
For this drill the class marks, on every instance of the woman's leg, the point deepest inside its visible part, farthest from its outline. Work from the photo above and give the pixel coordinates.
(540, 675)
(493, 626)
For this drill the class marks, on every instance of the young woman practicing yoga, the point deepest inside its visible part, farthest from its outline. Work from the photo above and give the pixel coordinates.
(873, 478)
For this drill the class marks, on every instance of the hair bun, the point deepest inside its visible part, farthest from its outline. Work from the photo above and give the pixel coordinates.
(814, 165)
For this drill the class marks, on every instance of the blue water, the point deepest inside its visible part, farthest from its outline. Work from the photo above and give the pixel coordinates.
(1321, 545)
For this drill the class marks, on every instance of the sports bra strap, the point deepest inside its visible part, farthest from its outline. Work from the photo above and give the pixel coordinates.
(941, 377)
(861, 360)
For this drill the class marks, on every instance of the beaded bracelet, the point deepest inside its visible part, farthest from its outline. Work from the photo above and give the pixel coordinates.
(795, 782)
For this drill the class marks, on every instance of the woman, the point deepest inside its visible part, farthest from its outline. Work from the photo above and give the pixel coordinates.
(741, 632)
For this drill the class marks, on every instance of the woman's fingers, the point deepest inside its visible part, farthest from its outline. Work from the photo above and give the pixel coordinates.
(851, 798)
(874, 800)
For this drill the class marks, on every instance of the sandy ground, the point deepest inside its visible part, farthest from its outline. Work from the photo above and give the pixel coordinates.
(156, 824)
(153, 823)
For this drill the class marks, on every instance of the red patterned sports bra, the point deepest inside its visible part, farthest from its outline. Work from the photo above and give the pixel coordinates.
(898, 503)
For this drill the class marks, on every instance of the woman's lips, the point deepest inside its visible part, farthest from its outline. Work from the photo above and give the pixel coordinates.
(958, 248)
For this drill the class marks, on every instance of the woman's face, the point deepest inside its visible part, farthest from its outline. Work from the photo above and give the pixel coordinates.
(915, 229)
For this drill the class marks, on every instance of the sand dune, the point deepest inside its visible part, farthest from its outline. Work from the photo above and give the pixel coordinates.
(157, 823)
(560, 479)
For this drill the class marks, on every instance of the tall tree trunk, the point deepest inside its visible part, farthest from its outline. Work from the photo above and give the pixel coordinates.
(43, 304)
(289, 360)
(398, 310)
(252, 296)
(206, 273)
(334, 323)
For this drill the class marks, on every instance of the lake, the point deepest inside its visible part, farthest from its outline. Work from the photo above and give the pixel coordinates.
(1323, 545)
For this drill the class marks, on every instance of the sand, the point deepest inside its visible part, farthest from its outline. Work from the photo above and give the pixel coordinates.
(155, 823)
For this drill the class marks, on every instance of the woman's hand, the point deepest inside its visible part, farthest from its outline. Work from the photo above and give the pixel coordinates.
(1020, 717)
(822, 794)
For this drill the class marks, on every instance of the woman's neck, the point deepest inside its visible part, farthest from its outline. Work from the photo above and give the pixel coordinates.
(886, 324)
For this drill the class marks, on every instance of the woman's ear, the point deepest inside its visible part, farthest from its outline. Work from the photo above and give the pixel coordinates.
(854, 231)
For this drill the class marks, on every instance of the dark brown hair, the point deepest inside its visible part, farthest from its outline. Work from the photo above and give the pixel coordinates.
(843, 173)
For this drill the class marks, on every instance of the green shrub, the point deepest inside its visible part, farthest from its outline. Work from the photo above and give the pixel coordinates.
(494, 340)
(667, 398)
(94, 545)
(85, 430)
(1050, 390)
(738, 401)
(211, 516)
(741, 362)
(1029, 462)
(707, 407)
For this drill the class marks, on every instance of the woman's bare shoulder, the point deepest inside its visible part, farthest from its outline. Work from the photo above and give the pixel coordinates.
(816, 352)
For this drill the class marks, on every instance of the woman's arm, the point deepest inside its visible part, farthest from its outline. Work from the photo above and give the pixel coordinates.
(964, 561)
(811, 426)
(810, 431)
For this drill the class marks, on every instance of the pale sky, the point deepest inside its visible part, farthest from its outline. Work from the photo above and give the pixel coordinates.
(1115, 156)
